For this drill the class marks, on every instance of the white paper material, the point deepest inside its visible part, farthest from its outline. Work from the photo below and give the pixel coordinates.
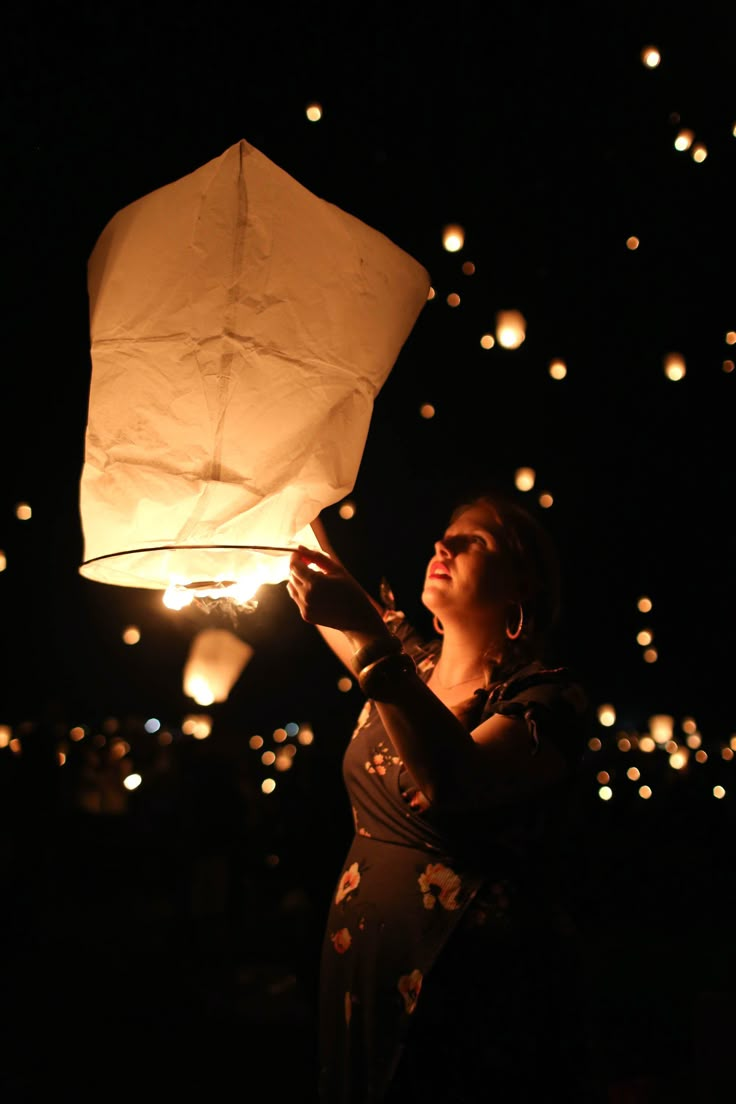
(215, 663)
(240, 329)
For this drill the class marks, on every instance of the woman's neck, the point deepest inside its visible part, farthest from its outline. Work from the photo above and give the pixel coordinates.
(464, 660)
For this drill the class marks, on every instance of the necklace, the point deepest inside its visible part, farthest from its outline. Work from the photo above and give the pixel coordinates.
(443, 686)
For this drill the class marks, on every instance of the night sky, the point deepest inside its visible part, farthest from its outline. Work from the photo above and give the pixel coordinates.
(541, 132)
(545, 136)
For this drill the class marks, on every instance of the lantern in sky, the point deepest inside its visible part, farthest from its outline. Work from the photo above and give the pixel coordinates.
(215, 663)
(510, 329)
(240, 329)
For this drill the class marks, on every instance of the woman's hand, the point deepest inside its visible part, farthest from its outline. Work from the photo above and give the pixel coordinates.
(328, 595)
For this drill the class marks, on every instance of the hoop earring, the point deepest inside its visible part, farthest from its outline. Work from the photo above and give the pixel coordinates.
(517, 631)
(438, 627)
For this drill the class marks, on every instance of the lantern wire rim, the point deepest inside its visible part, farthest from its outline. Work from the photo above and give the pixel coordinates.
(187, 547)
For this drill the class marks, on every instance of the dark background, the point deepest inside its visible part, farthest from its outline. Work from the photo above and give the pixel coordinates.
(187, 915)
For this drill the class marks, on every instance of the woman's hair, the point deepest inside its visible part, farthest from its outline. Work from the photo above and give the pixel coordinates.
(531, 560)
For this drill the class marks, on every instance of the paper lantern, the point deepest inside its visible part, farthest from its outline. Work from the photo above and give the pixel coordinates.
(240, 328)
(510, 329)
(215, 663)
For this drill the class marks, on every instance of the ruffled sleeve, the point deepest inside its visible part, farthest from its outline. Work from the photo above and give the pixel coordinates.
(552, 704)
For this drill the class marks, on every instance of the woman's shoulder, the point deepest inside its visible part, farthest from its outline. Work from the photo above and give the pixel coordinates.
(539, 679)
(542, 690)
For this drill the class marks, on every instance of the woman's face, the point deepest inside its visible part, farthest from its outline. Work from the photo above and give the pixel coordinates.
(467, 575)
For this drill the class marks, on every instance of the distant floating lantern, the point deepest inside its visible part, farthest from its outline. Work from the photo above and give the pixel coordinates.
(674, 366)
(524, 479)
(650, 57)
(453, 238)
(678, 759)
(314, 112)
(684, 140)
(215, 662)
(241, 328)
(661, 727)
(510, 329)
(557, 369)
(606, 715)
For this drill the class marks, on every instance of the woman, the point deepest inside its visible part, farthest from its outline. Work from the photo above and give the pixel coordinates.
(445, 962)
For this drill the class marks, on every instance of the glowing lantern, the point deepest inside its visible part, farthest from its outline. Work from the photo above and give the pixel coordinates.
(660, 728)
(453, 238)
(215, 662)
(241, 328)
(510, 329)
(674, 366)
(524, 478)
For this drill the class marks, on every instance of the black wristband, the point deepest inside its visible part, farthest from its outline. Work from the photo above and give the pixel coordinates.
(379, 679)
(375, 649)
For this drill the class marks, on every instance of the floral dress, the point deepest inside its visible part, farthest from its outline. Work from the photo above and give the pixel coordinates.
(416, 891)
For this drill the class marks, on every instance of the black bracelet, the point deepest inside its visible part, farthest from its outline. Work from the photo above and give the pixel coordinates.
(379, 679)
(375, 649)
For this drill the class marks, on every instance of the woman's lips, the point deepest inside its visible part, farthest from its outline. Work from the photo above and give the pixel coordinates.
(438, 571)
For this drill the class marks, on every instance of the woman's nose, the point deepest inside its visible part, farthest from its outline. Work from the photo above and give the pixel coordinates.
(441, 548)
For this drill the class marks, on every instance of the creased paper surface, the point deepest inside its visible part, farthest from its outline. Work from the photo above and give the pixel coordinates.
(240, 330)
